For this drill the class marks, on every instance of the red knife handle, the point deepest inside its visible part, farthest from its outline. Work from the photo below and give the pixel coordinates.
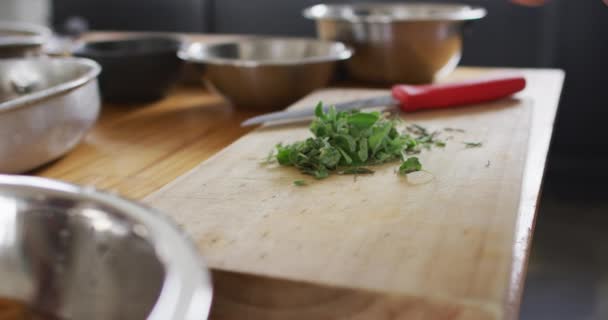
(445, 95)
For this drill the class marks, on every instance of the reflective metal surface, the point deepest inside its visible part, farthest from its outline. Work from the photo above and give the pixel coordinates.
(46, 107)
(21, 39)
(299, 114)
(397, 43)
(77, 253)
(267, 73)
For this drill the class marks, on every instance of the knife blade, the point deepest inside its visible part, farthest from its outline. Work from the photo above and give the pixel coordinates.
(380, 101)
(416, 97)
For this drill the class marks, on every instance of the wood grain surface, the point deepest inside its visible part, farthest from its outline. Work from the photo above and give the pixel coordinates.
(135, 150)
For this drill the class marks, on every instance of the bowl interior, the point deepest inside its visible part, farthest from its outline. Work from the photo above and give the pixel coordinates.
(268, 51)
(395, 12)
(20, 77)
(75, 259)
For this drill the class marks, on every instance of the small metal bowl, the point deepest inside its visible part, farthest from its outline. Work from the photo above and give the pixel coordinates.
(397, 43)
(267, 73)
(46, 107)
(21, 39)
(76, 253)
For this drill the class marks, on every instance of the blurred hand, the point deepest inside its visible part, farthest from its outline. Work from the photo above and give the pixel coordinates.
(535, 3)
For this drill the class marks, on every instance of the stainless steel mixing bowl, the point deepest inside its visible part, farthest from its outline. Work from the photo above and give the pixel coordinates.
(21, 39)
(267, 73)
(46, 107)
(76, 253)
(397, 43)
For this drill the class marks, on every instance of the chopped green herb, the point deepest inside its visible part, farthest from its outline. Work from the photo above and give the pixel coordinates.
(347, 142)
(472, 144)
(300, 183)
(411, 164)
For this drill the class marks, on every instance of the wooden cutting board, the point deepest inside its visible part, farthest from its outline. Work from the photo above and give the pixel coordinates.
(433, 245)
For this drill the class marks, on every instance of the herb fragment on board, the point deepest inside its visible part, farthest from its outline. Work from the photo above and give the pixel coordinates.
(472, 144)
(300, 183)
(488, 164)
(270, 158)
(423, 138)
(454, 130)
(411, 164)
(356, 170)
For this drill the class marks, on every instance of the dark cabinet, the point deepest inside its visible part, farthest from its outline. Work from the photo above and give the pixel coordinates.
(135, 15)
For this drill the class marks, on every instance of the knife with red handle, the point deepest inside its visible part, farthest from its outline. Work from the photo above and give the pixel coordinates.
(419, 97)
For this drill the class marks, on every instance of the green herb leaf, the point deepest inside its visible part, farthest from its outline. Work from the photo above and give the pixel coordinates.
(347, 159)
(329, 156)
(300, 183)
(363, 120)
(283, 154)
(411, 164)
(379, 133)
(319, 110)
(346, 142)
(363, 150)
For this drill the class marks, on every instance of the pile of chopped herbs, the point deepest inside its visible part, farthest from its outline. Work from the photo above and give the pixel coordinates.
(350, 142)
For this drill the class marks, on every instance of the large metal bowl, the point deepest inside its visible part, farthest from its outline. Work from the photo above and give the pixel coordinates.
(397, 43)
(76, 253)
(267, 73)
(46, 107)
(21, 39)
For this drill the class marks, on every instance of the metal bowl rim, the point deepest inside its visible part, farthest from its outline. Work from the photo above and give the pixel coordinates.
(472, 13)
(40, 34)
(165, 233)
(345, 52)
(30, 99)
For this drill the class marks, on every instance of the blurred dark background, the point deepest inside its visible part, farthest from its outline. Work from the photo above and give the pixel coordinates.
(568, 274)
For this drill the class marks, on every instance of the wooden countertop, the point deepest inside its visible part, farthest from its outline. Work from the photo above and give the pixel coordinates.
(135, 150)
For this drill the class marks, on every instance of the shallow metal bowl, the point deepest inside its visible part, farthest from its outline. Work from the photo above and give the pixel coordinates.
(397, 43)
(46, 107)
(76, 253)
(21, 39)
(267, 73)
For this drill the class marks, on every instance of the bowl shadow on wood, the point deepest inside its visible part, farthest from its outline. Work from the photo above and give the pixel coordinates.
(419, 115)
